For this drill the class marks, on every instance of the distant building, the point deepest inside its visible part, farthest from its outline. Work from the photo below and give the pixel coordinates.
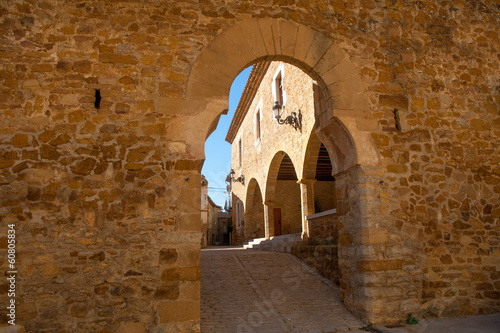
(204, 211)
(225, 228)
(212, 233)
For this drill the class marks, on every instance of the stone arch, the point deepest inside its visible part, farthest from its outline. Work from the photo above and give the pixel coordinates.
(248, 42)
(254, 211)
(284, 195)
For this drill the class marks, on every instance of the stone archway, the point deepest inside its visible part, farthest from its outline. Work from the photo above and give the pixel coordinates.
(345, 101)
(254, 212)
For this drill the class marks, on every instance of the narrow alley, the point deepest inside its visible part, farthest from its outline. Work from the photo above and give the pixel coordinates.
(248, 291)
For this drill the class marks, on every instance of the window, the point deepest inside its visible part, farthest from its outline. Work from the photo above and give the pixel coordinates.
(279, 93)
(257, 125)
(279, 88)
(240, 152)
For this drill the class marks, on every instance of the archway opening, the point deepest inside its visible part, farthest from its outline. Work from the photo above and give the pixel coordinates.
(254, 212)
(343, 100)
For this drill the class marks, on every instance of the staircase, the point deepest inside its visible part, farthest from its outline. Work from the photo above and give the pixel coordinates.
(282, 243)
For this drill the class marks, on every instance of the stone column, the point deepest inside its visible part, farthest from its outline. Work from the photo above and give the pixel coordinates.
(268, 218)
(307, 196)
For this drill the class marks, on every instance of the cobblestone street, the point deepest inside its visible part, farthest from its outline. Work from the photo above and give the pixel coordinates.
(252, 291)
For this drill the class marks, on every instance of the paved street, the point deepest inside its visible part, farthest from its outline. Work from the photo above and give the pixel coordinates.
(248, 291)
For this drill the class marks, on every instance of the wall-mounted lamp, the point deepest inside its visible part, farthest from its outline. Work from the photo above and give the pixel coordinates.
(240, 179)
(293, 119)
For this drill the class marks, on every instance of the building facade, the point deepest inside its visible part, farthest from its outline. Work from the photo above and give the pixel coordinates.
(287, 169)
(106, 106)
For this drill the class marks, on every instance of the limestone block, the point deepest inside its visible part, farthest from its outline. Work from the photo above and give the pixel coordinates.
(319, 45)
(345, 71)
(117, 58)
(31, 84)
(190, 222)
(189, 255)
(210, 72)
(251, 31)
(42, 68)
(190, 290)
(20, 140)
(394, 101)
(288, 37)
(333, 57)
(305, 37)
(179, 311)
(131, 327)
(234, 36)
(268, 28)
(368, 125)
(71, 99)
(167, 291)
(170, 105)
(181, 274)
(79, 310)
(377, 236)
(228, 49)
(168, 256)
(212, 59)
(379, 265)
(347, 101)
(206, 89)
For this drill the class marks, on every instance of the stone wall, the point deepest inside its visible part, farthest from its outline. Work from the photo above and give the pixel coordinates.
(106, 200)
(324, 193)
(323, 258)
(323, 228)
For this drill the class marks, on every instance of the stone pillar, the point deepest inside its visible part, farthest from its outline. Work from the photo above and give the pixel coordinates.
(268, 218)
(307, 196)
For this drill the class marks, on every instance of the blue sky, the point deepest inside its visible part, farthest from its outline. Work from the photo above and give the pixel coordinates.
(217, 150)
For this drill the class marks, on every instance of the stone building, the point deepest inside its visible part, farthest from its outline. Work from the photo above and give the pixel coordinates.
(204, 212)
(287, 169)
(106, 105)
(214, 211)
(224, 228)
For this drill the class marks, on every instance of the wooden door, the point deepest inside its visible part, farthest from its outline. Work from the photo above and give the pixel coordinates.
(277, 221)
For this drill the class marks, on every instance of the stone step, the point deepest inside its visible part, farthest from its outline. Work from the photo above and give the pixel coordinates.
(282, 243)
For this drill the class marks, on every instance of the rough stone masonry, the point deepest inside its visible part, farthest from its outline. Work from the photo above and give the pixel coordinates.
(105, 194)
